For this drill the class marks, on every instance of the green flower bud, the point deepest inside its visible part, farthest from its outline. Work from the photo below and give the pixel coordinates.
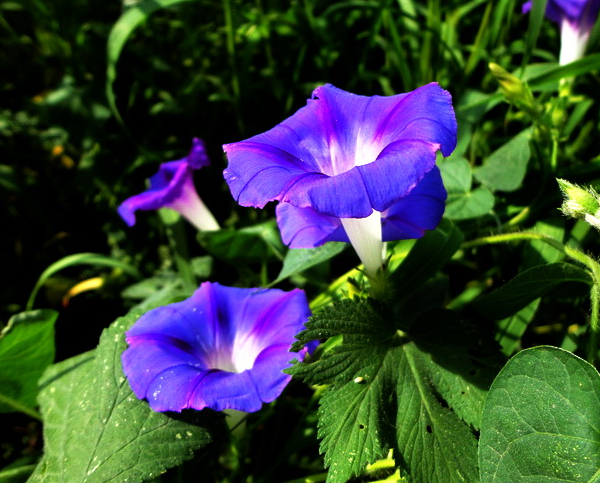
(580, 202)
(515, 91)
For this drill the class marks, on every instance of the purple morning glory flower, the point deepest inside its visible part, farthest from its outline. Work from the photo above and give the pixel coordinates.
(350, 168)
(223, 348)
(173, 187)
(576, 19)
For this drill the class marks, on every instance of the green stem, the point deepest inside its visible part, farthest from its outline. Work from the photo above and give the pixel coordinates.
(592, 265)
(179, 247)
(594, 268)
(18, 406)
(517, 236)
(235, 81)
(18, 474)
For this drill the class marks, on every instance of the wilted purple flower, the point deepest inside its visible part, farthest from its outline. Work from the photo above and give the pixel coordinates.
(223, 348)
(173, 187)
(350, 168)
(576, 19)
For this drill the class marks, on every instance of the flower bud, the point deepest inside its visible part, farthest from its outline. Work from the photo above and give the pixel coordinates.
(580, 202)
(515, 91)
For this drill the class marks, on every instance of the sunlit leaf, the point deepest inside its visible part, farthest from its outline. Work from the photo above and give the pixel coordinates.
(26, 349)
(541, 420)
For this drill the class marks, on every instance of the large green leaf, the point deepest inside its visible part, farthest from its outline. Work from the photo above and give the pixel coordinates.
(541, 420)
(528, 286)
(415, 393)
(97, 431)
(505, 168)
(26, 349)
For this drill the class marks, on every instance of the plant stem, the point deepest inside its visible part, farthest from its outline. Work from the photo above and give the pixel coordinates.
(179, 247)
(18, 406)
(592, 265)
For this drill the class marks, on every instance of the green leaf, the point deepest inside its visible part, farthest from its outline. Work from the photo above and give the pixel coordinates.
(473, 204)
(130, 20)
(253, 244)
(582, 66)
(387, 390)
(94, 259)
(456, 174)
(541, 420)
(462, 203)
(536, 17)
(26, 349)
(511, 329)
(426, 257)
(528, 286)
(505, 168)
(96, 430)
(300, 259)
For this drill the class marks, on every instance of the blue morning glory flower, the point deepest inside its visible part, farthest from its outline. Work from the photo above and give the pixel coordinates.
(576, 19)
(173, 187)
(223, 348)
(350, 168)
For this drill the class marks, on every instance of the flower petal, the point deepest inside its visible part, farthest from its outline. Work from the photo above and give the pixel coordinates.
(165, 186)
(197, 157)
(173, 187)
(421, 210)
(306, 228)
(331, 155)
(375, 186)
(577, 12)
(365, 125)
(221, 390)
(224, 347)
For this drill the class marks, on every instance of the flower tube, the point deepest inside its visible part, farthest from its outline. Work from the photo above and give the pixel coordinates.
(350, 168)
(173, 187)
(576, 19)
(223, 348)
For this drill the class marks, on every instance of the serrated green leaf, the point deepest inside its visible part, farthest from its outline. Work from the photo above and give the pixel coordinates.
(505, 168)
(299, 259)
(541, 420)
(436, 445)
(473, 204)
(247, 245)
(528, 286)
(26, 349)
(463, 360)
(388, 390)
(124, 439)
